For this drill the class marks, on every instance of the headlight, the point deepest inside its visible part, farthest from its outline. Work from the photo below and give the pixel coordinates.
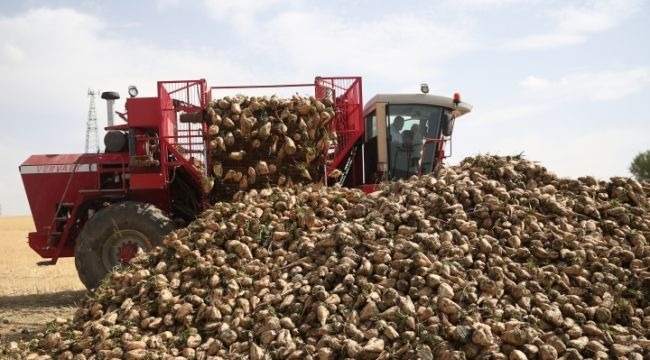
(424, 88)
(133, 91)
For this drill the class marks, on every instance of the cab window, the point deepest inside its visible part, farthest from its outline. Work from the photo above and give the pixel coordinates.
(408, 126)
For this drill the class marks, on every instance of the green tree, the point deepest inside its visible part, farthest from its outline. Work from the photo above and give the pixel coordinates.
(640, 166)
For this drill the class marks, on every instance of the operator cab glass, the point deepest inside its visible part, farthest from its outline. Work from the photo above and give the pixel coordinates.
(414, 137)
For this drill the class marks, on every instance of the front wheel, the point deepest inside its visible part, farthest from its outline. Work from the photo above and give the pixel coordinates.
(113, 236)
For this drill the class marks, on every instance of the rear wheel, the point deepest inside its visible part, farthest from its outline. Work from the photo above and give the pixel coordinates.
(113, 236)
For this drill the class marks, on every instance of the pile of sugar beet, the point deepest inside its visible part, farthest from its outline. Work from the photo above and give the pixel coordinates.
(256, 142)
(495, 258)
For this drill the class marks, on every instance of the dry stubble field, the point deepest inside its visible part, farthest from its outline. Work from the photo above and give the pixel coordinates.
(31, 295)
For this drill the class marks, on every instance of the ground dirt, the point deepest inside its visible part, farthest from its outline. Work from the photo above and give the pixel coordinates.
(32, 295)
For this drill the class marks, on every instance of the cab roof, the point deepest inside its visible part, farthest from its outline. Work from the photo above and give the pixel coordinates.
(436, 100)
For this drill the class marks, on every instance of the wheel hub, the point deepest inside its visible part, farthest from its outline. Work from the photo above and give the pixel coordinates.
(122, 246)
(127, 251)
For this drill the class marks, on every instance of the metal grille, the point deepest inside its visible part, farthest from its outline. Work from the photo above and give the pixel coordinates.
(348, 122)
(188, 96)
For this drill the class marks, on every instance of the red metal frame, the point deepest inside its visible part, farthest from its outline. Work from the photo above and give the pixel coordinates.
(186, 96)
(61, 207)
(348, 123)
(267, 86)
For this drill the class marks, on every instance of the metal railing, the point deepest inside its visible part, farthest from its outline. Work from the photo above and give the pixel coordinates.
(188, 139)
(348, 122)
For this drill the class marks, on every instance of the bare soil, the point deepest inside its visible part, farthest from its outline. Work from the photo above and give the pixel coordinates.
(21, 316)
(32, 295)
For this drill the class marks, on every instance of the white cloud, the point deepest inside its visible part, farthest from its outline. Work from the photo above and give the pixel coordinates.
(546, 41)
(63, 52)
(243, 14)
(606, 85)
(534, 83)
(12, 53)
(500, 115)
(574, 24)
(482, 4)
(229, 9)
(166, 4)
(50, 57)
(400, 49)
(595, 16)
(296, 39)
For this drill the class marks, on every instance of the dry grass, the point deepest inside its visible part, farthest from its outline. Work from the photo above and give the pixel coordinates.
(19, 274)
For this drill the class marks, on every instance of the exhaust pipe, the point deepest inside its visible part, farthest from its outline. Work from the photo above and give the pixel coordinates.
(110, 97)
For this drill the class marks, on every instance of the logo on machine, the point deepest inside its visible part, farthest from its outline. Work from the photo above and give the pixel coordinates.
(57, 168)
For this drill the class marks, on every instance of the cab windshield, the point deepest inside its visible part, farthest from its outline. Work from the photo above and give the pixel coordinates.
(408, 127)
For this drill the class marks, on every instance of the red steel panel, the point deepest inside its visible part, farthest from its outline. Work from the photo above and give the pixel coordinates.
(52, 159)
(148, 181)
(143, 112)
(49, 181)
(168, 114)
(52, 180)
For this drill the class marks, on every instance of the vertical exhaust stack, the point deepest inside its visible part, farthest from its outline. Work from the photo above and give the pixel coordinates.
(110, 97)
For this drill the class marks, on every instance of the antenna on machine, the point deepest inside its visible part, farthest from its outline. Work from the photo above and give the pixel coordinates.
(92, 137)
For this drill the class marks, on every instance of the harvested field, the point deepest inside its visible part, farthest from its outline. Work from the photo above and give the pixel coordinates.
(31, 295)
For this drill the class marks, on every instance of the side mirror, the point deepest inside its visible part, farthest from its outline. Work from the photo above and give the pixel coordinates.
(448, 121)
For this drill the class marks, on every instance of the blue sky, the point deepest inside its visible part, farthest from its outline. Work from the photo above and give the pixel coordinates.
(565, 82)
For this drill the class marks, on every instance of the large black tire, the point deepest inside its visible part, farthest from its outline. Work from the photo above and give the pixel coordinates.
(113, 235)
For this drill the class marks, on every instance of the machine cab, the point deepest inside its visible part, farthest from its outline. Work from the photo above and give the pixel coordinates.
(406, 134)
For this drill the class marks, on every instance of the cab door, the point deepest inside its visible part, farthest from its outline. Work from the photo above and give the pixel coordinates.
(375, 152)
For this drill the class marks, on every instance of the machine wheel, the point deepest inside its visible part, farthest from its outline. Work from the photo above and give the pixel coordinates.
(113, 235)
